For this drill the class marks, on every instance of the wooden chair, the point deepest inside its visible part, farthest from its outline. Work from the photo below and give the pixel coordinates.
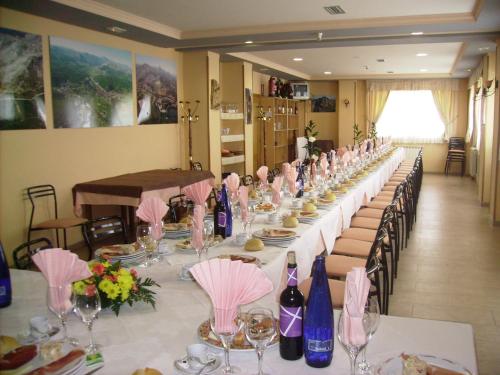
(456, 154)
(23, 253)
(104, 231)
(36, 193)
(179, 207)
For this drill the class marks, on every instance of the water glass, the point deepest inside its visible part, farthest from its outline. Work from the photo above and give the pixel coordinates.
(373, 312)
(226, 332)
(147, 243)
(87, 306)
(60, 303)
(260, 331)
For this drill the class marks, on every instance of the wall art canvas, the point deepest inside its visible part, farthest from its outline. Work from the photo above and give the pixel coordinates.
(91, 85)
(22, 101)
(156, 90)
(323, 103)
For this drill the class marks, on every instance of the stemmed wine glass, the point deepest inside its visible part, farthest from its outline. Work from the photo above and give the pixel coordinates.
(87, 306)
(147, 242)
(60, 303)
(208, 237)
(247, 225)
(260, 330)
(370, 319)
(225, 324)
(373, 311)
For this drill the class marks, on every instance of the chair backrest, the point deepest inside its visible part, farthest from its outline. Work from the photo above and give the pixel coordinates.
(102, 230)
(247, 180)
(456, 143)
(178, 208)
(40, 191)
(23, 253)
(196, 166)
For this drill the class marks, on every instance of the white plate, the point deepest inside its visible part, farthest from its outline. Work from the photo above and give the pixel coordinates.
(394, 365)
(260, 234)
(183, 366)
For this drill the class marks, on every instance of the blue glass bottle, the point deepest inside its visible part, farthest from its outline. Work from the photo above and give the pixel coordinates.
(300, 181)
(318, 319)
(5, 286)
(229, 215)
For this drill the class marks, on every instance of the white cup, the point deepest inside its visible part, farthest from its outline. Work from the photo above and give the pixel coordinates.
(39, 325)
(240, 239)
(272, 218)
(197, 355)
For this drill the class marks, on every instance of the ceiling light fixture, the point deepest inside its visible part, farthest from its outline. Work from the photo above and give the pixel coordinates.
(484, 49)
(380, 60)
(424, 70)
(417, 33)
(422, 54)
(320, 37)
(390, 72)
(327, 73)
(249, 42)
(468, 70)
(116, 29)
(298, 59)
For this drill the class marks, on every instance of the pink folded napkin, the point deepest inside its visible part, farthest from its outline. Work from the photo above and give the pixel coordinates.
(152, 210)
(295, 163)
(356, 293)
(198, 193)
(285, 169)
(332, 163)
(314, 170)
(61, 268)
(243, 198)
(291, 178)
(262, 174)
(233, 182)
(362, 149)
(323, 164)
(341, 151)
(346, 157)
(230, 284)
(276, 188)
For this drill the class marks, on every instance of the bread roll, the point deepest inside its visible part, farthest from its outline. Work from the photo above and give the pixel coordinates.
(147, 371)
(254, 244)
(7, 343)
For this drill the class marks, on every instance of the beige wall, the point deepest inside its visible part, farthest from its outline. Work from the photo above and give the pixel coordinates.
(64, 157)
(347, 90)
(248, 84)
(214, 119)
(495, 168)
(327, 122)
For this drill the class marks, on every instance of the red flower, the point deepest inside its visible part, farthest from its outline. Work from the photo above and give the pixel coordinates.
(110, 278)
(98, 269)
(135, 288)
(133, 272)
(90, 290)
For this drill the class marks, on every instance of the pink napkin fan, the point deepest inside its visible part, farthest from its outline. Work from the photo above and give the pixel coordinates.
(356, 293)
(262, 174)
(198, 193)
(285, 169)
(323, 164)
(243, 198)
(61, 268)
(152, 210)
(230, 284)
(233, 182)
(332, 163)
(276, 188)
(291, 178)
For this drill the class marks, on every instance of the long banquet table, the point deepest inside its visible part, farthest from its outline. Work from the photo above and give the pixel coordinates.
(141, 336)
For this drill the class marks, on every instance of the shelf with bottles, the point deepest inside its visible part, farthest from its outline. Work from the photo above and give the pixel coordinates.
(231, 116)
(229, 160)
(227, 138)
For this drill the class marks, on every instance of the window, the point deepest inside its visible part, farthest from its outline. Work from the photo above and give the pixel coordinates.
(411, 117)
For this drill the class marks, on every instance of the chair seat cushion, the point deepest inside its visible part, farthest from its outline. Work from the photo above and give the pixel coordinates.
(365, 222)
(339, 265)
(456, 150)
(390, 188)
(393, 183)
(377, 204)
(351, 247)
(361, 234)
(337, 288)
(61, 223)
(397, 179)
(373, 213)
(385, 194)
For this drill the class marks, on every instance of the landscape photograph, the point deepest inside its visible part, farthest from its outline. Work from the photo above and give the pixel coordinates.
(156, 90)
(91, 85)
(22, 101)
(323, 103)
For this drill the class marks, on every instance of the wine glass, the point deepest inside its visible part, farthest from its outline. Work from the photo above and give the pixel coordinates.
(87, 306)
(373, 311)
(60, 303)
(147, 242)
(226, 323)
(248, 222)
(369, 319)
(208, 237)
(260, 331)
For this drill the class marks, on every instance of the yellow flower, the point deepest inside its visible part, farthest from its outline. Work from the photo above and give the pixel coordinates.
(125, 282)
(113, 292)
(105, 285)
(106, 264)
(79, 287)
(125, 295)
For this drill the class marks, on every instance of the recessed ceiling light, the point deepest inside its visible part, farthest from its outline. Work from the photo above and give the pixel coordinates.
(424, 70)
(380, 60)
(484, 48)
(249, 42)
(327, 73)
(468, 70)
(116, 29)
(417, 33)
(422, 54)
(390, 72)
(298, 59)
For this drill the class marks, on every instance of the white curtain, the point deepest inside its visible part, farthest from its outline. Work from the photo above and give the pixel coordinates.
(470, 117)
(447, 103)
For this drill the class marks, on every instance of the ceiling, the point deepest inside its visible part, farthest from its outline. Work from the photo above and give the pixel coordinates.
(455, 33)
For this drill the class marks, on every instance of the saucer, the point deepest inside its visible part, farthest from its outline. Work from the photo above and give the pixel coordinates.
(183, 366)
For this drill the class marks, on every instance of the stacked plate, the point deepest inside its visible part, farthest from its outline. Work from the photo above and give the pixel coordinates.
(276, 237)
(175, 231)
(325, 204)
(307, 217)
(125, 253)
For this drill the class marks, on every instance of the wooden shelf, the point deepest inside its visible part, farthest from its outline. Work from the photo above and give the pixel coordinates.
(231, 116)
(280, 130)
(228, 160)
(232, 138)
(282, 145)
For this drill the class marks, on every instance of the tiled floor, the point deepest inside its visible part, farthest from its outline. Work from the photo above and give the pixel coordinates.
(451, 268)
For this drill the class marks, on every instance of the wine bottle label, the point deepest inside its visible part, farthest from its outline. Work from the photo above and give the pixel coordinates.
(222, 219)
(291, 321)
(319, 345)
(292, 276)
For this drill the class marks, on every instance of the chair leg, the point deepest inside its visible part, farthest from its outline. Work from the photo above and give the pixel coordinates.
(57, 238)
(65, 240)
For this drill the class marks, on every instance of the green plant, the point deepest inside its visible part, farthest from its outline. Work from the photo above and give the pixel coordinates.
(357, 135)
(311, 133)
(372, 134)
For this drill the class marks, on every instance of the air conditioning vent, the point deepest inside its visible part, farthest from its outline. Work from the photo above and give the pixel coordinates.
(334, 9)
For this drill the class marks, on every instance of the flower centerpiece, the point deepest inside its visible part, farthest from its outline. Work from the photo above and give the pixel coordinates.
(357, 135)
(372, 134)
(116, 285)
(311, 133)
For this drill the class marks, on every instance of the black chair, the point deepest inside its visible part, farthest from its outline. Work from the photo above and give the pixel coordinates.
(102, 231)
(247, 180)
(36, 193)
(456, 154)
(23, 253)
(179, 207)
(196, 166)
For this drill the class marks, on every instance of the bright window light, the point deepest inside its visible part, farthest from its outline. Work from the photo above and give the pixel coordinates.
(411, 117)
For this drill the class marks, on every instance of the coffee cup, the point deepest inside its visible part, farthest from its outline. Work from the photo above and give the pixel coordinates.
(197, 355)
(39, 326)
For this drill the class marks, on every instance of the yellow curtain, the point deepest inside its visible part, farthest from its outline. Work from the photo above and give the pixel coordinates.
(375, 103)
(470, 116)
(446, 103)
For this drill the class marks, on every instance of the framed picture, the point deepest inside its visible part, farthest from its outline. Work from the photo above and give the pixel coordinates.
(300, 90)
(156, 90)
(248, 106)
(22, 100)
(91, 85)
(323, 103)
